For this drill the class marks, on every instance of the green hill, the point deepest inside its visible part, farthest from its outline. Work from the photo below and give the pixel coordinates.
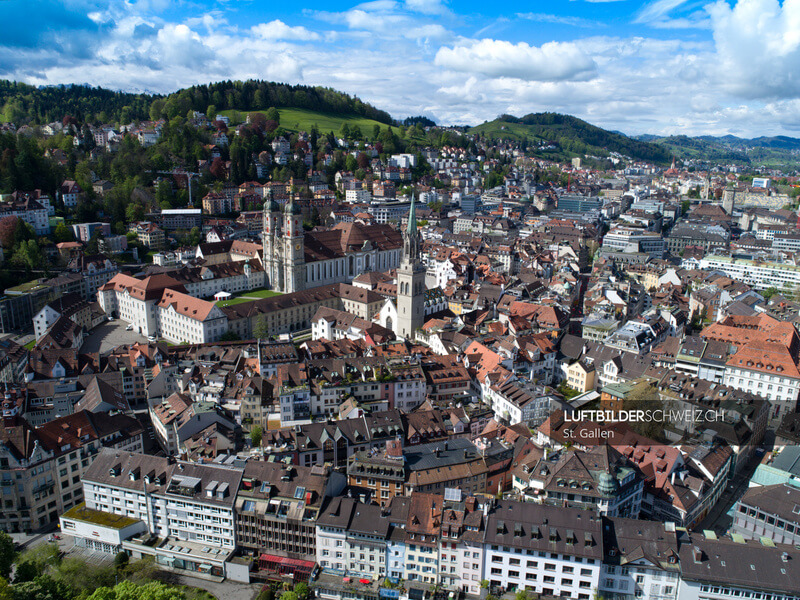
(570, 136)
(28, 105)
(301, 119)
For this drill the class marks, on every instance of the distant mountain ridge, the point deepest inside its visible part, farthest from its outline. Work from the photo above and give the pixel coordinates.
(768, 150)
(570, 136)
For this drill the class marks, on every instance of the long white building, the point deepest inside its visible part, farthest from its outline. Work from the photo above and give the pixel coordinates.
(159, 306)
(758, 274)
(190, 506)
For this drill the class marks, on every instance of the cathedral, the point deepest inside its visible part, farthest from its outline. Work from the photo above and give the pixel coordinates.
(296, 260)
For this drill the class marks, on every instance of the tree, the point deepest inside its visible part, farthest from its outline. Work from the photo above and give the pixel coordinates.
(7, 554)
(350, 163)
(769, 292)
(217, 169)
(272, 114)
(268, 593)
(134, 212)
(6, 593)
(256, 433)
(63, 233)
(302, 591)
(25, 571)
(128, 590)
(642, 397)
(229, 336)
(121, 559)
(93, 245)
(258, 120)
(8, 230)
(43, 587)
(28, 255)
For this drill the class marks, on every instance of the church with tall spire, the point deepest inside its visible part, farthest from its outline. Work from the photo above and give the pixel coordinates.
(410, 281)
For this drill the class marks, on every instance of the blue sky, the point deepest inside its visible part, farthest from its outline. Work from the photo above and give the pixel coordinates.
(660, 66)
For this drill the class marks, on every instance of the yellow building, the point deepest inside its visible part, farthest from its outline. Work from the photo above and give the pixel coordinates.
(581, 376)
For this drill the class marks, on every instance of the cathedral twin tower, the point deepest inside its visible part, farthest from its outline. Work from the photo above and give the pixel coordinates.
(284, 254)
(285, 263)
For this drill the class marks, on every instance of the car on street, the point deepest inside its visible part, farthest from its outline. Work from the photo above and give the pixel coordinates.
(129, 327)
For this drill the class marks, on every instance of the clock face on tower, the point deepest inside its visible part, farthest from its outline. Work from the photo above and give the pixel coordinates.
(297, 246)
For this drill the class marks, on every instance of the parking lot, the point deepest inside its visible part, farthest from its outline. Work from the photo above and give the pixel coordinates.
(109, 335)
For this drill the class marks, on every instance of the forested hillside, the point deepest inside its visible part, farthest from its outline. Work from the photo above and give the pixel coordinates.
(24, 104)
(570, 136)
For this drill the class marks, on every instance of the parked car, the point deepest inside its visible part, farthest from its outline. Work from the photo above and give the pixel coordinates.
(129, 327)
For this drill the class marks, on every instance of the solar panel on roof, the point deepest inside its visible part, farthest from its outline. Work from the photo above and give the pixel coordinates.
(452, 494)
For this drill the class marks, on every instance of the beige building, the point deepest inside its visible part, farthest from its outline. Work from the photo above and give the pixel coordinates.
(150, 234)
(581, 376)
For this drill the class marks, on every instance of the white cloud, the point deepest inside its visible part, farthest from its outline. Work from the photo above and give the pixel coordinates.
(758, 46)
(553, 61)
(559, 19)
(657, 10)
(741, 82)
(278, 30)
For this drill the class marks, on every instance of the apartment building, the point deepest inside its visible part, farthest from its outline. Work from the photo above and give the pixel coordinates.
(351, 538)
(552, 551)
(755, 273)
(278, 505)
(640, 560)
(150, 234)
(189, 506)
(422, 531)
(769, 511)
(30, 210)
(382, 473)
(41, 469)
(717, 569)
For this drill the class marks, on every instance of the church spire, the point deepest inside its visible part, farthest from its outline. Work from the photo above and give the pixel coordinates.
(412, 217)
(411, 244)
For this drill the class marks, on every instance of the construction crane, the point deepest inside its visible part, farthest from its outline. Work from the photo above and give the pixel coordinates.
(188, 180)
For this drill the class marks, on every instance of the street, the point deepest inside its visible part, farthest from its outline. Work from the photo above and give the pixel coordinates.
(717, 518)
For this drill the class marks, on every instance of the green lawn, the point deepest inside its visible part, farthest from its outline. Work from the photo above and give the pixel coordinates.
(30, 345)
(300, 119)
(262, 293)
(248, 297)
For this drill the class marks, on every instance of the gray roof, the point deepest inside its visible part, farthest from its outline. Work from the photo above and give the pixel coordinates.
(782, 501)
(353, 516)
(547, 528)
(451, 452)
(158, 476)
(630, 540)
(788, 460)
(748, 564)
